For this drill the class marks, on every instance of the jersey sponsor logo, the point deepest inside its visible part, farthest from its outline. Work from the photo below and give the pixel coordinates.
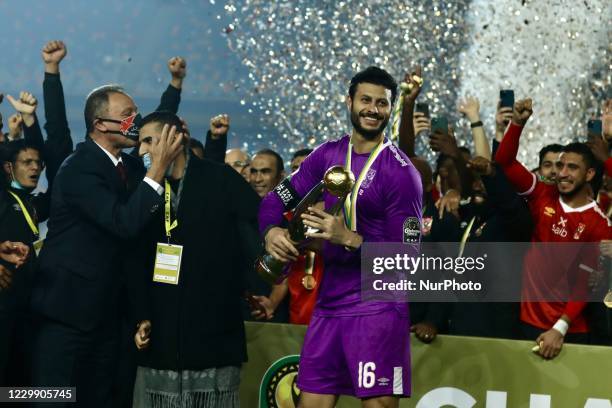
(579, 230)
(412, 230)
(559, 227)
(278, 387)
(368, 178)
(397, 156)
(549, 211)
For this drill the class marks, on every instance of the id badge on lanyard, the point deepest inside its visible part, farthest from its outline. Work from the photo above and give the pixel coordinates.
(168, 256)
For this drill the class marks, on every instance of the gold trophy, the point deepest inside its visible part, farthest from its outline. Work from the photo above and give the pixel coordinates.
(608, 299)
(337, 181)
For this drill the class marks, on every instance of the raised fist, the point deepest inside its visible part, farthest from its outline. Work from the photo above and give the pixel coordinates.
(26, 104)
(411, 87)
(522, 111)
(54, 52)
(177, 67)
(219, 125)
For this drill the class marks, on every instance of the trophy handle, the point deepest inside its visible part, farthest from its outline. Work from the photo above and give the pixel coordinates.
(296, 226)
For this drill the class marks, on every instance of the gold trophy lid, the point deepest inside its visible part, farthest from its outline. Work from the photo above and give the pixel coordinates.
(339, 181)
(608, 299)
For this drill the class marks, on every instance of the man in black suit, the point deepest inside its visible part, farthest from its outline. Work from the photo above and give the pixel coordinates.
(101, 199)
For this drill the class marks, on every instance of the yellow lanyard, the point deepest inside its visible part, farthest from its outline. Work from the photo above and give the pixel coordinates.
(167, 216)
(350, 204)
(465, 236)
(26, 214)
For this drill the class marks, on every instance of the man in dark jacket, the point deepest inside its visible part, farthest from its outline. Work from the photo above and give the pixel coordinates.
(101, 198)
(23, 163)
(193, 313)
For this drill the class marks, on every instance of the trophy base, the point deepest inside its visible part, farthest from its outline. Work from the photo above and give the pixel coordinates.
(270, 269)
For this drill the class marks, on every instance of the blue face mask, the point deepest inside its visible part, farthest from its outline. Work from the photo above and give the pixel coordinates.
(15, 185)
(146, 160)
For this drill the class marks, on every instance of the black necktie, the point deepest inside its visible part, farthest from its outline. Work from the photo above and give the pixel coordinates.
(122, 172)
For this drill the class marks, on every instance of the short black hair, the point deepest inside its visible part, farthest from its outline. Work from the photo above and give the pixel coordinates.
(162, 118)
(96, 104)
(279, 160)
(11, 150)
(376, 76)
(590, 160)
(583, 150)
(554, 148)
(301, 152)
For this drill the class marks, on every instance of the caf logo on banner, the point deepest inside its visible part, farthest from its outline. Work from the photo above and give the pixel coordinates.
(278, 387)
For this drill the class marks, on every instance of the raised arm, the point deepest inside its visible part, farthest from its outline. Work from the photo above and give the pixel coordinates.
(171, 98)
(406, 136)
(470, 108)
(216, 138)
(26, 107)
(59, 142)
(15, 125)
(521, 178)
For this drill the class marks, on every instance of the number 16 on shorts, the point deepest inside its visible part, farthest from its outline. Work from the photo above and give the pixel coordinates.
(367, 378)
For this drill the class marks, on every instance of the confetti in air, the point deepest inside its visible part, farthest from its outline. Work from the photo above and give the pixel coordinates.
(301, 55)
(556, 52)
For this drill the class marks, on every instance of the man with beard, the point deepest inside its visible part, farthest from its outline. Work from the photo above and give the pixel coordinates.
(337, 357)
(562, 212)
(193, 358)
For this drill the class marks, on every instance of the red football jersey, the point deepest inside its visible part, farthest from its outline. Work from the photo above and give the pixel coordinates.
(546, 270)
(555, 221)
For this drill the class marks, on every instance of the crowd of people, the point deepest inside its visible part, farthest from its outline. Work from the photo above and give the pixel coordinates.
(139, 291)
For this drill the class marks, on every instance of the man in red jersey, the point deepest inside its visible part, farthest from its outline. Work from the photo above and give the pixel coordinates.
(562, 212)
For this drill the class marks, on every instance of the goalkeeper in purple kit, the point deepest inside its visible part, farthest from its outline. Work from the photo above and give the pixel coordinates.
(353, 347)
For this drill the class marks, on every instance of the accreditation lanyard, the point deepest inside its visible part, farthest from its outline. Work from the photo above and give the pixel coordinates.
(350, 204)
(167, 213)
(26, 214)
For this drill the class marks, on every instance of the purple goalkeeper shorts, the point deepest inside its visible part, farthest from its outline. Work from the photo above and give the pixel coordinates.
(362, 356)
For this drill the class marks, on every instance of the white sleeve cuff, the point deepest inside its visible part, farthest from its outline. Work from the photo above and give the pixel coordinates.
(561, 326)
(154, 185)
(533, 186)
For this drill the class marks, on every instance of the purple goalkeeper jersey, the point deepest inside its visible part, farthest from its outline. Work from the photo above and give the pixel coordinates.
(390, 194)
